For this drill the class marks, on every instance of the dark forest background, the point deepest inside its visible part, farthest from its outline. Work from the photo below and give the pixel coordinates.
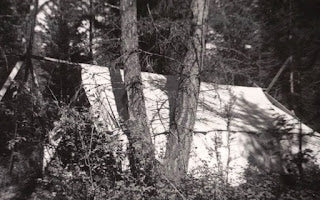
(247, 43)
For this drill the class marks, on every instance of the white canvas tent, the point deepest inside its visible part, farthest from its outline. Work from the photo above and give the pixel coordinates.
(234, 124)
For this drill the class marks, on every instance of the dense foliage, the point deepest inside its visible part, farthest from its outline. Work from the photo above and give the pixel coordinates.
(88, 165)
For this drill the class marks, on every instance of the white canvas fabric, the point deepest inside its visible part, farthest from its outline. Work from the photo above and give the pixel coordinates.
(234, 124)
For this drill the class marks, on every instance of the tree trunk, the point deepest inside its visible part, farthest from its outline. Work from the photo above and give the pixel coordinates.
(22, 181)
(91, 18)
(182, 124)
(141, 147)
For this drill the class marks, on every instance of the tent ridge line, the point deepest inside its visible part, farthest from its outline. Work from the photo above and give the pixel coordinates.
(56, 60)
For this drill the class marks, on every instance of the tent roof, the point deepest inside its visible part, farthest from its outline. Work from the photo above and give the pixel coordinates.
(246, 109)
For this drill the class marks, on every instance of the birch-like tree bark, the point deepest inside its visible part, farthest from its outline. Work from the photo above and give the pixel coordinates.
(141, 148)
(182, 124)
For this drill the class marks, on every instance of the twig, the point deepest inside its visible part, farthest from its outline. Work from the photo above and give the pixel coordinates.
(12, 150)
(112, 6)
(152, 20)
(87, 159)
(159, 55)
(55, 98)
(76, 95)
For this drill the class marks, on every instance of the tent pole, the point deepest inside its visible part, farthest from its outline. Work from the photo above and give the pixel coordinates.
(289, 59)
(10, 78)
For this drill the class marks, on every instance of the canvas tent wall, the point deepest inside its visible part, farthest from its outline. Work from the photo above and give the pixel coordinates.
(234, 124)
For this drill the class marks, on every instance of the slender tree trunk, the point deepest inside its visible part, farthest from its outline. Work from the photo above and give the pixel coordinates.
(181, 127)
(26, 183)
(29, 46)
(142, 151)
(91, 30)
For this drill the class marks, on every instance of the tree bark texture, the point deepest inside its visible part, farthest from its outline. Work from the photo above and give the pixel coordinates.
(141, 153)
(182, 124)
(91, 18)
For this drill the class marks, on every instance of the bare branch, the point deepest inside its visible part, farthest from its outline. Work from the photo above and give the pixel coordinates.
(112, 6)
